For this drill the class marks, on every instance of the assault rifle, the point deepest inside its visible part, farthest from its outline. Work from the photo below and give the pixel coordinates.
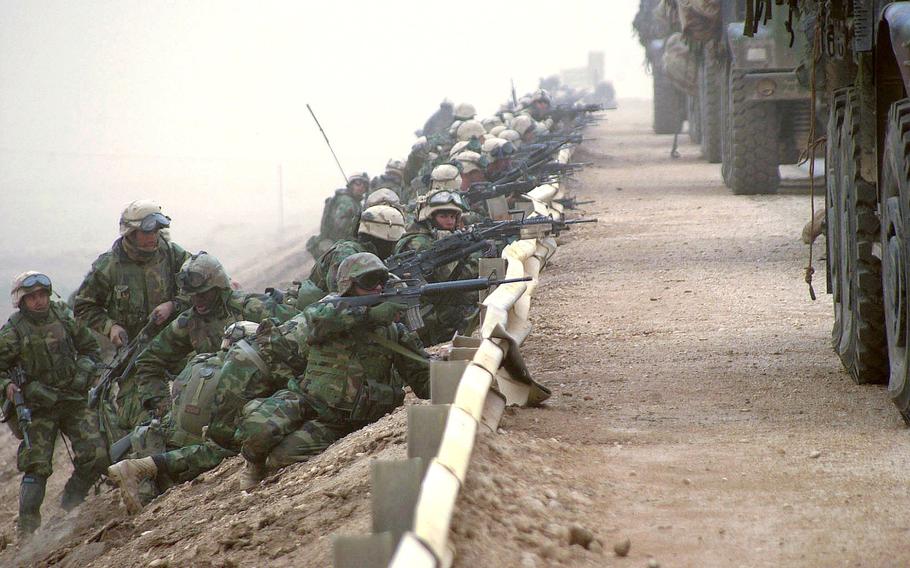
(572, 202)
(536, 158)
(529, 228)
(122, 364)
(571, 112)
(462, 244)
(23, 412)
(412, 293)
(484, 190)
(558, 168)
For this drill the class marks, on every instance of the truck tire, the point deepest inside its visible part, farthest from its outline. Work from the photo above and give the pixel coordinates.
(693, 115)
(858, 335)
(895, 191)
(709, 99)
(669, 105)
(750, 143)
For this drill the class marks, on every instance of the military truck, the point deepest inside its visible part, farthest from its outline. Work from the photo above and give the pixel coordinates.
(863, 82)
(669, 102)
(753, 102)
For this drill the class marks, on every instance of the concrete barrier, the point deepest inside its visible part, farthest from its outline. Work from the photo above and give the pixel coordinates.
(494, 376)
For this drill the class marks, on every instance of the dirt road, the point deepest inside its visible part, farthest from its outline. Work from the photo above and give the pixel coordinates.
(697, 402)
(698, 411)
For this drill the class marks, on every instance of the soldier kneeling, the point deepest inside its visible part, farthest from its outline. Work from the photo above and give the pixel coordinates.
(348, 382)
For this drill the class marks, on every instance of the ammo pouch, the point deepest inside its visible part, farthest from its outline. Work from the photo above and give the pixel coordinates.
(38, 395)
(374, 400)
(149, 440)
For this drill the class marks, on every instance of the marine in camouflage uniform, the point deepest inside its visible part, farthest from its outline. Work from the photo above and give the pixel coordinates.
(393, 178)
(127, 285)
(340, 215)
(349, 380)
(380, 228)
(246, 371)
(198, 329)
(437, 217)
(59, 356)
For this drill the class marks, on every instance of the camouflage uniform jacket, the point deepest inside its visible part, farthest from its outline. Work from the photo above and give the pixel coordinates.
(192, 332)
(124, 291)
(341, 216)
(387, 181)
(447, 313)
(48, 348)
(420, 236)
(348, 364)
(325, 271)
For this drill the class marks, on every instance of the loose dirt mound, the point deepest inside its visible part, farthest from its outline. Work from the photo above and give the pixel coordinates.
(209, 522)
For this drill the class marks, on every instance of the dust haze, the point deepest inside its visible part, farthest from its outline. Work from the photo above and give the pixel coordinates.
(201, 104)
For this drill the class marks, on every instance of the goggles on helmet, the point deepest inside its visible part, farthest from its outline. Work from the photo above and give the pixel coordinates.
(443, 197)
(36, 280)
(188, 280)
(153, 222)
(370, 280)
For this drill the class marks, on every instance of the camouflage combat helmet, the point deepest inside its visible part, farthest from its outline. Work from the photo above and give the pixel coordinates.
(540, 96)
(470, 161)
(511, 136)
(26, 283)
(465, 111)
(470, 129)
(382, 222)
(359, 176)
(395, 166)
(445, 176)
(491, 122)
(522, 123)
(458, 147)
(357, 266)
(202, 272)
(383, 196)
(497, 129)
(237, 331)
(143, 214)
(439, 200)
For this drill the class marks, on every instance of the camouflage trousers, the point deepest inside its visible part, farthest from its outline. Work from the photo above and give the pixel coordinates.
(283, 429)
(78, 424)
(189, 462)
(130, 412)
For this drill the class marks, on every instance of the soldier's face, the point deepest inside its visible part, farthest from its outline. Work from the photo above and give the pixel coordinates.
(204, 301)
(358, 188)
(445, 220)
(38, 301)
(145, 240)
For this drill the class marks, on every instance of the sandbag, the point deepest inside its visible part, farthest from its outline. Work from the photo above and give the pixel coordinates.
(679, 64)
(699, 19)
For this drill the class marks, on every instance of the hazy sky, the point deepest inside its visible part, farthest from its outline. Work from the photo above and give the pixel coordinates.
(196, 103)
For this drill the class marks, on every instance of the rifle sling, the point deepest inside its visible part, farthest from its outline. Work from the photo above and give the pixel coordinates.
(393, 346)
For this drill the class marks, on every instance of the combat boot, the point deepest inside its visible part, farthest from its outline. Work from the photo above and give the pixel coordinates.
(31, 495)
(75, 491)
(252, 474)
(127, 474)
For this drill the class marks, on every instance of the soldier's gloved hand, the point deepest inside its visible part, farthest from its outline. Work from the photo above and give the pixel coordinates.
(386, 312)
(118, 336)
(163, 311)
